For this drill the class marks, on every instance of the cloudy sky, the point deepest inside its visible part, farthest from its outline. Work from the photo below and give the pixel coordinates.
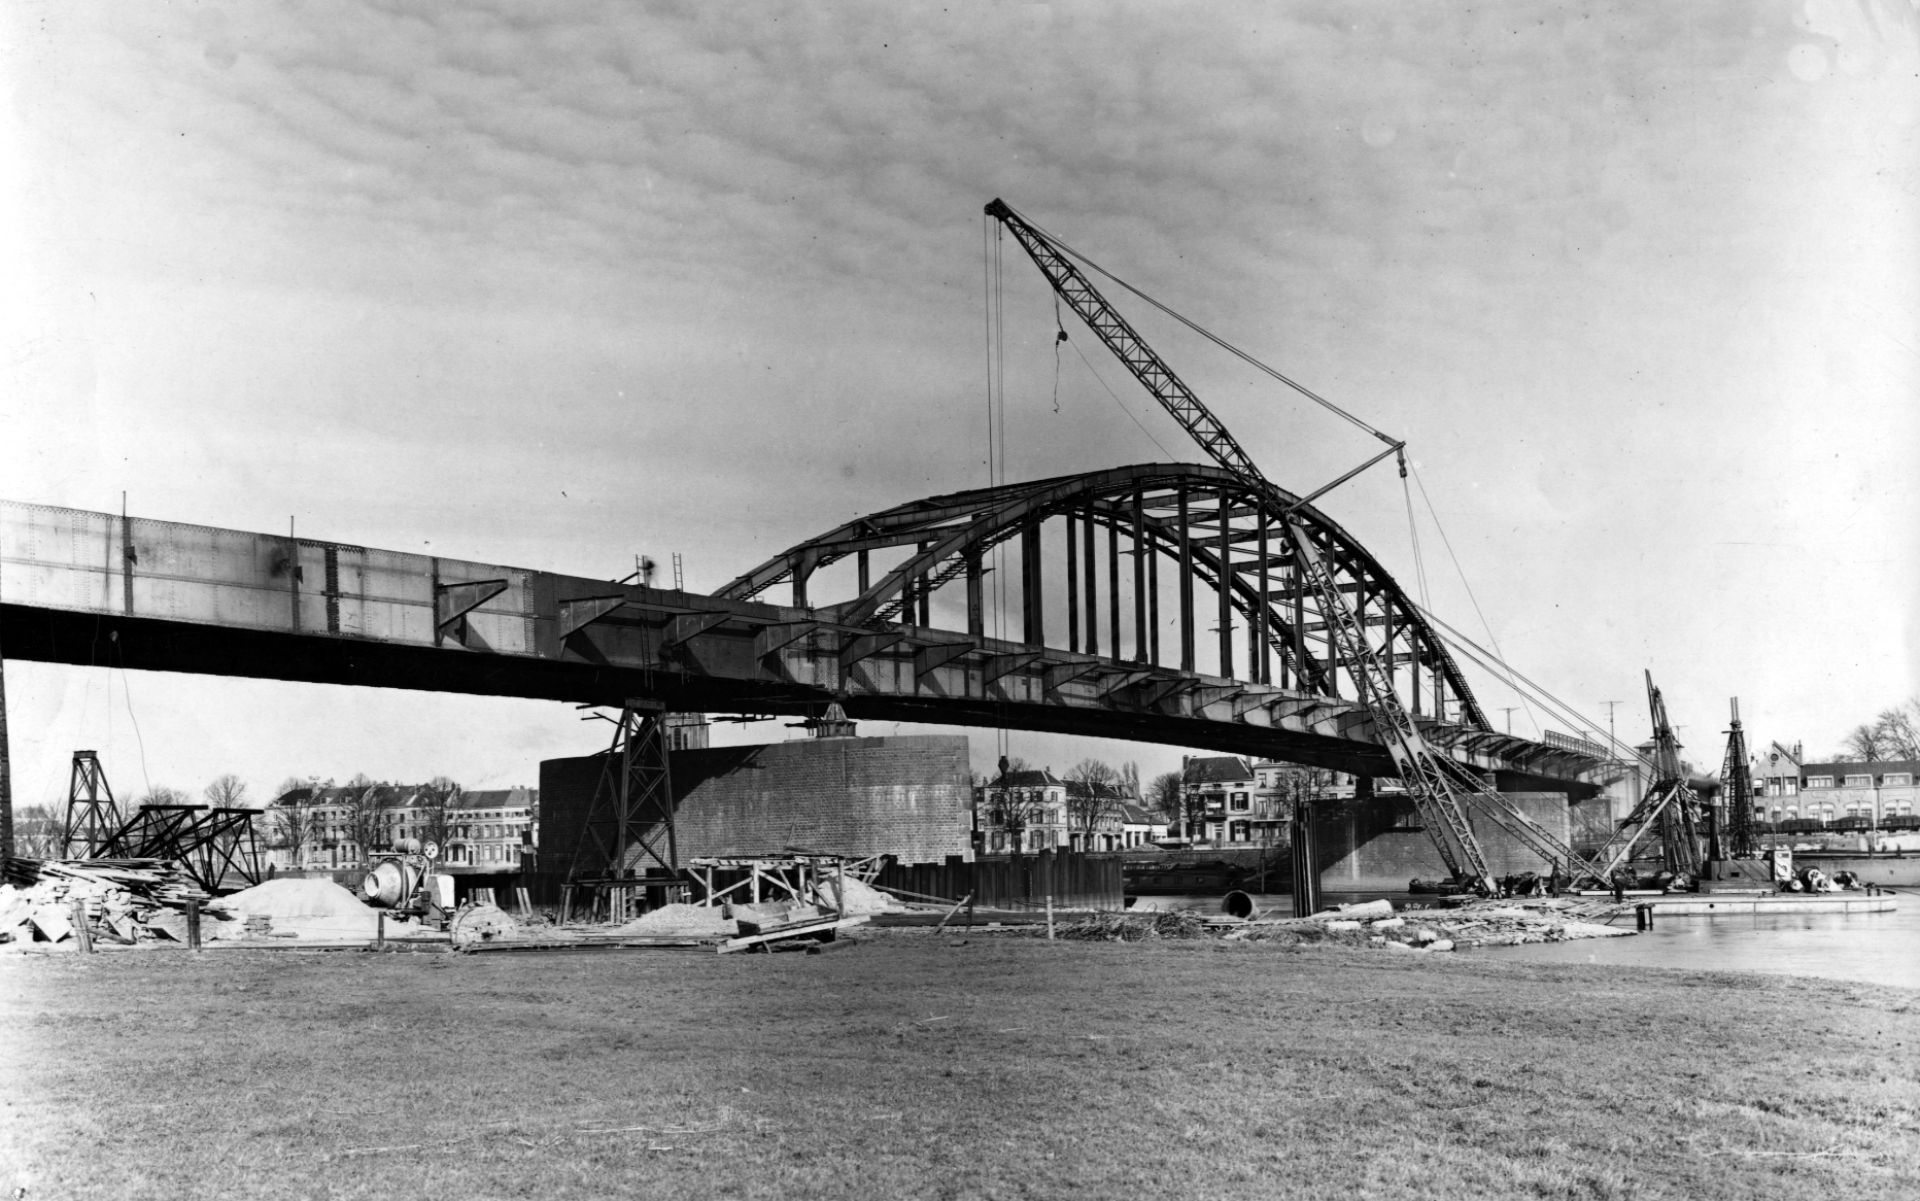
(558, 285)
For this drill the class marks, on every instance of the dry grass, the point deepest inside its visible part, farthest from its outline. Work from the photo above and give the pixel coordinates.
(918, 1066)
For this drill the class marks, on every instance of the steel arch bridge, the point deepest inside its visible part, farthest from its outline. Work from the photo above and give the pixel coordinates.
(1153, 603)
(1175, 543)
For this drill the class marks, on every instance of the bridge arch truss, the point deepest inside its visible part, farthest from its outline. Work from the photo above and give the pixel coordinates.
(1174, 566)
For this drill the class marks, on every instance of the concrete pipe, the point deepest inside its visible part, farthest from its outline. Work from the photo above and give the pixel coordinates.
(1239, 904)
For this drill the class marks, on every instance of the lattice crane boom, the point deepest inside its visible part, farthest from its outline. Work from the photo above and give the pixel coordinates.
(1669, 805)
(1126, 344)
(1736, 792)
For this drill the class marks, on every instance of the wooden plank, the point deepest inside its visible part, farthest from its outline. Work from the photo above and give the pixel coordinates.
(753, 940)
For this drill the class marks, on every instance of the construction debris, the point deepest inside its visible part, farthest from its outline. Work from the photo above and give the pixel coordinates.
(1133, 927)
(1370, 924)
(121, 900)
(1474, 924)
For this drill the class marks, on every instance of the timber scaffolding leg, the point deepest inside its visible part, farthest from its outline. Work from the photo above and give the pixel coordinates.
(1306, 865)
(629, 822)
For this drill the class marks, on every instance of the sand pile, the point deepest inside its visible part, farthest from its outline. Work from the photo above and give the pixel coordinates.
(686, 921)
(290, 907)
(860, 898)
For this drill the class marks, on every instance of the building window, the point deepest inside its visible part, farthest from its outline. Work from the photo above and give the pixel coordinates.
(1819, 781)
(1239, 802)
(1859, 782)
(1897, 779)
(1242, 832)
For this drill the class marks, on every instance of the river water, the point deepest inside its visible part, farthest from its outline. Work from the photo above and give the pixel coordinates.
(1866, 948)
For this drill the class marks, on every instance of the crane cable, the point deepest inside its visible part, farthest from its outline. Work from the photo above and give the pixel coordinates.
(1519, 683)
(994, 284)
(1208, 334)
(1493, 661)
(1465, 583)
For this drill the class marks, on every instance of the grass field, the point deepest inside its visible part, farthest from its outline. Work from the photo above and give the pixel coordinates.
(918, 1065)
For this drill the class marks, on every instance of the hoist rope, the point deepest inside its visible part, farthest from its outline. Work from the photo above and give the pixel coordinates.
(1413, 533)
(1491, 662)
(1118, 403)
(1210, 336)
(996, 430)
(1465, 583)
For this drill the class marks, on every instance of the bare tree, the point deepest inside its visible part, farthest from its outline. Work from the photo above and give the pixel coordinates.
(434, 804)
(295, 823)
(1193, 810)
(163, 795)
(1129, 782)
(1016, 808)
(37, 830)
(227, 791)
(1866, 742)
(1091, 797)
(1899, 729)
(1164, 795)
(366, 807)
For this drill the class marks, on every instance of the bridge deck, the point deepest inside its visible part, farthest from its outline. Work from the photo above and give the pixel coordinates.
(91, 588)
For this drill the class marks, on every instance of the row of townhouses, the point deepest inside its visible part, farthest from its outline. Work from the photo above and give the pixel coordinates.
(1228, 801)
(321, 826)
(1028, 811)
(1835, 793)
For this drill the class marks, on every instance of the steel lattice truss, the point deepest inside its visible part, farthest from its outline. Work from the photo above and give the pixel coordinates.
(213, 845)
(1144, 564)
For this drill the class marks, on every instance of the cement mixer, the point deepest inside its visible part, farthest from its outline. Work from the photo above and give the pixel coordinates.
(405, 879)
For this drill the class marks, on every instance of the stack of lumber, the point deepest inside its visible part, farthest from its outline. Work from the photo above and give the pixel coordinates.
(121, 900)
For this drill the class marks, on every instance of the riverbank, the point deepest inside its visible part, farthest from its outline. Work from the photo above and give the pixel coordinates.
(922, 1065)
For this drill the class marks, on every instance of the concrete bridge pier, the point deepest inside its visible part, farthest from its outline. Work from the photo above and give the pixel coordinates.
(1376, 841)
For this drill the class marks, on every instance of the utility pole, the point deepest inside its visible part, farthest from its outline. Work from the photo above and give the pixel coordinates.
(1612, 743)
(1508, 710)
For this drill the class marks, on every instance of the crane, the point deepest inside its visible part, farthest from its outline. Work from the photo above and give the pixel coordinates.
(1736, 794)
(1668, 804)
(1436, 785)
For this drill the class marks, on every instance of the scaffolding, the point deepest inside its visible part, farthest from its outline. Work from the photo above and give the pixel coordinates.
(92, 814)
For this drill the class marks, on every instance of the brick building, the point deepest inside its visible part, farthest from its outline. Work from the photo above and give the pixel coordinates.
(1843, 794)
